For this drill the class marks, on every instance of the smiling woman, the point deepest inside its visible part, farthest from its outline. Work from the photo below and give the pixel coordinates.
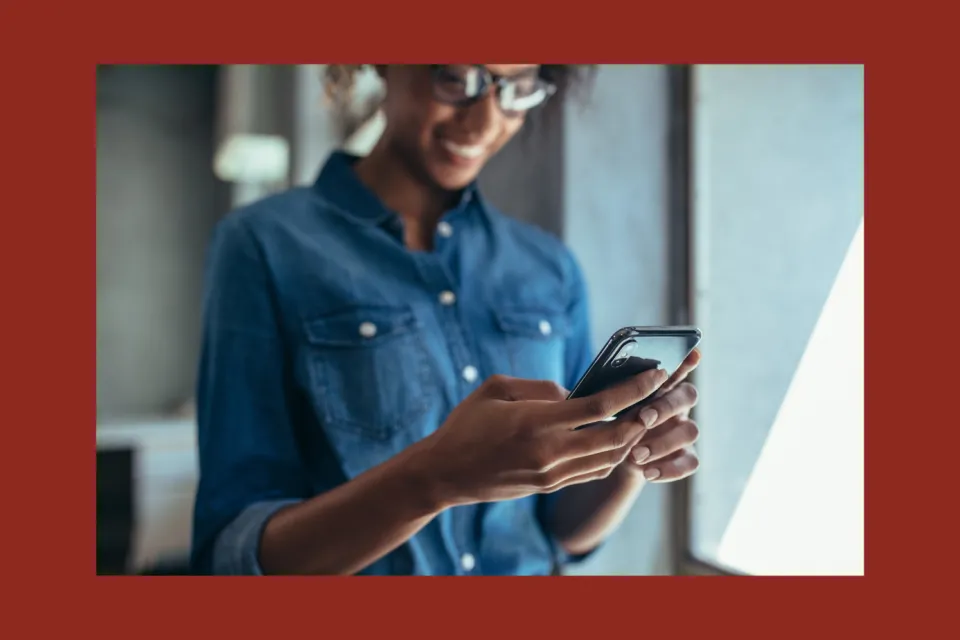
(435, 115)
(381, 389)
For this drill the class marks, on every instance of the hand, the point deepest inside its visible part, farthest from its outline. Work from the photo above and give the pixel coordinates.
(511, 438)
(665, 452)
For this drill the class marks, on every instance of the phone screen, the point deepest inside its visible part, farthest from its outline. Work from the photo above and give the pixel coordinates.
(633, 351)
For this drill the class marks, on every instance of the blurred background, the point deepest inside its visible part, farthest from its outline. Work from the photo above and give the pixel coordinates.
(727, 196)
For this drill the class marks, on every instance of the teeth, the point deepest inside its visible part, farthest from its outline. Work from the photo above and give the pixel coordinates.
(470, 152)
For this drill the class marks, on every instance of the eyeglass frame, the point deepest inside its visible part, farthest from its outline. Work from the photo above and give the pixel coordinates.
(488, 79)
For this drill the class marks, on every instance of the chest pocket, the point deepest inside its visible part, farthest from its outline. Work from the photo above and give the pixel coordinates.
(367, 369)
(534, 340)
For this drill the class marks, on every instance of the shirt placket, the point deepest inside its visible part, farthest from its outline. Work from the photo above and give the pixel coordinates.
(457, 524)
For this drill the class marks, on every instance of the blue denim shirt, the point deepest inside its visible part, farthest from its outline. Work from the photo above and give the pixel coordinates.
(328, 347)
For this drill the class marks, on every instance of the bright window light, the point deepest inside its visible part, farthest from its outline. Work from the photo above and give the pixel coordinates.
(802, 510)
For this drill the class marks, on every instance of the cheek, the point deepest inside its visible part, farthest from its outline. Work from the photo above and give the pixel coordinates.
(412, 114)
(434, 117)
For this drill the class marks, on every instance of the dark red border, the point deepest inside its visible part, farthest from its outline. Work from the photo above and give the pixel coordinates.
(47, 115)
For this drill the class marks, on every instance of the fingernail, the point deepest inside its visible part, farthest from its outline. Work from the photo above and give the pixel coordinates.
(662, 375)
(640, 454)
(651, 474)
(648, 417)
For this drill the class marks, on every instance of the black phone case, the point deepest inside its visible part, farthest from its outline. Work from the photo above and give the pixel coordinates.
(656, 347)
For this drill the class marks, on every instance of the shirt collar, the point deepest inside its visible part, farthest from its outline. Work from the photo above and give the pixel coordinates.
(339, 184)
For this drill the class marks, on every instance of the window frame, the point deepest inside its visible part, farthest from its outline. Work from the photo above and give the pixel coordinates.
(682, 309)
(683, 220)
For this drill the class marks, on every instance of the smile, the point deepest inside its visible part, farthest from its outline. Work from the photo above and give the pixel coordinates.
(470, 152)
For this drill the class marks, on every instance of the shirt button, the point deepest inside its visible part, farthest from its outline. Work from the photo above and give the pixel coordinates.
(444, 229)
(447, 298)
(470, 373)
(368, 329)
(468, 562)
(545, 328)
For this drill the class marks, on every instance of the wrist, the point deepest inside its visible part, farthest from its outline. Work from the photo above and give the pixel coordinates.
(424, 477)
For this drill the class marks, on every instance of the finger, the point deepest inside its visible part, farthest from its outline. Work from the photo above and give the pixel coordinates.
(673, 403)
(599, 474)
(691, 362)
(513, 389)
(603, 404)
(678, 433)
(605, 436)
(677, 466)
(583, 465)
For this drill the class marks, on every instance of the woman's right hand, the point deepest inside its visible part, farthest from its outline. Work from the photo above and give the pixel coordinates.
(512, 437)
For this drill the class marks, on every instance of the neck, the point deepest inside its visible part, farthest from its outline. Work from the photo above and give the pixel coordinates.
(387, 175)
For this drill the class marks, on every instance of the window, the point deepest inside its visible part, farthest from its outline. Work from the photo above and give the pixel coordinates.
(777, 267)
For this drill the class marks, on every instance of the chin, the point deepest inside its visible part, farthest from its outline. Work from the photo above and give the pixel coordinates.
(452, 178)
(451, 171)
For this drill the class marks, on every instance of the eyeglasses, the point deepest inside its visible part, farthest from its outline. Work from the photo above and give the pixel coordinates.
(463, 84)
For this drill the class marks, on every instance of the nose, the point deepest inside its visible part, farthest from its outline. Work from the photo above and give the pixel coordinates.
(483, 117)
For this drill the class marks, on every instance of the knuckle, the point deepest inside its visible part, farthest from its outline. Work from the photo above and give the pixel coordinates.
(691, 431)
(497, 379)
(619, 434)
(670, 403)
(690, 393)
(556, 390)
(496, 383)
(598, 407)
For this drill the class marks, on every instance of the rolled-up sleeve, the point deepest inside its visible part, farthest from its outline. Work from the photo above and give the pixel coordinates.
(235, 551)
(250, 465)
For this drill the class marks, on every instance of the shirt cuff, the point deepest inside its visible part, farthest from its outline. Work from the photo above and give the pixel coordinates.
(236, 552)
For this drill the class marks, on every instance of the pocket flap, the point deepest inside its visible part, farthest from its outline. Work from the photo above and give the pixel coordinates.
(532, 323)
(360, 326)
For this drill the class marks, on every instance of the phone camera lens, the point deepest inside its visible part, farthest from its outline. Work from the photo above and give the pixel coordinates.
(623, 354)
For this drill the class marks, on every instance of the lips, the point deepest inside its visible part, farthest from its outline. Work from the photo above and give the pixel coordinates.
(467, 152)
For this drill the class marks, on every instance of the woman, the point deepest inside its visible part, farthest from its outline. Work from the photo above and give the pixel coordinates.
(379, 387)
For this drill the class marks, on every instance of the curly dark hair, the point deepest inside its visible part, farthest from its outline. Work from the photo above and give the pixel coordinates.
(571, 80)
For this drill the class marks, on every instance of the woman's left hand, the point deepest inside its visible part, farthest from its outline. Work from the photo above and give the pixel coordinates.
(665, 452)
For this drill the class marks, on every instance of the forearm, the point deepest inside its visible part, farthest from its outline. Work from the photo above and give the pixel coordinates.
(345, 530)
(585, 514)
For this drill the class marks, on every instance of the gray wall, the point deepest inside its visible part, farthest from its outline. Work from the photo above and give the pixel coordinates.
(779, 194)
(157, 200)
(615, 220)
(313, 132)
(525, 179)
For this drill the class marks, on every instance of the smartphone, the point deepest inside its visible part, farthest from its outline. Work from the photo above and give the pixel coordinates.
(633, 350)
